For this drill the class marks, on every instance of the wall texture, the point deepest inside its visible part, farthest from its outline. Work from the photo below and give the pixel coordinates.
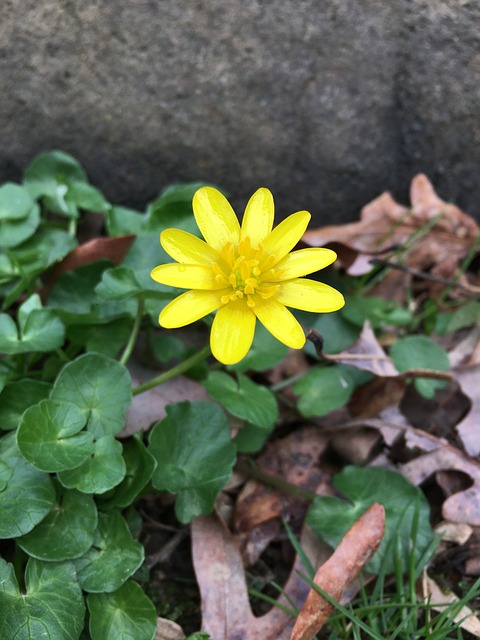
(326, 102)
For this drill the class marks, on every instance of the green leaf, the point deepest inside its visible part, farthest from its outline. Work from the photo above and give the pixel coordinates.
(61, 182)
(337, 333)
(125, 614)
(14, 232)
(406, 513)
(323, 390)
(113, 557)
(419, 352)
(243, 399)
(15, 202)
(250, 438)
(167, 348)
(467, 315)
(139, 469)
(120, 283)
(19, 396)
(106, 339)
(265, 352)
(52, 606)
(42, 331)
(378, 311)
(101, 471)
(44, 249)
(173, 208)
(100, 385)
(51, 436)
(194, 455)
(75, 300)
(66, 532)
(28, 496)
(122, 221)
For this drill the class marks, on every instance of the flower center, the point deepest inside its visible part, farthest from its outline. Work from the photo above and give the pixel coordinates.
(247, 271)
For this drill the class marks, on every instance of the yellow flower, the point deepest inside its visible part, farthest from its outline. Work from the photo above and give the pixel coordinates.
(244, 272)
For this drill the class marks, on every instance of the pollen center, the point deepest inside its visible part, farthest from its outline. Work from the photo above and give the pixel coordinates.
(247, 272)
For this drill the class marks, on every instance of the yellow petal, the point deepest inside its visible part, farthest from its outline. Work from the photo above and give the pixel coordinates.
(189, 307)
(299, 263)
(186, 248)
(310, 295)
(286, 235)
(215, 218)
(232, 332)
(257, 220)
(186, 276)
(281, 323)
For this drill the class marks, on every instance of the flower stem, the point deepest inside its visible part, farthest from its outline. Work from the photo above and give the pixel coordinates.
(134, 334)
(174, 371)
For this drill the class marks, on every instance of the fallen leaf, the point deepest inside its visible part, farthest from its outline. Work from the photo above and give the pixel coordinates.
(468, 427)
(438, 601)
(384, 224)
(226, 612)
(149, 407)
(113, 249)
(168, 630)
(354, 551)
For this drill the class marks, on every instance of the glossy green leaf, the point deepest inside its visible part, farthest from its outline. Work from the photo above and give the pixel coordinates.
(125, 614)
(100, 385)
(120, 283)
(419, 352)
(106, 339)
(323, 390)
(16, 397)
(243, 398)
(28, 496)
(102, 470)
(378, 311)
(407, 514)
(336, 331)
(42, 331)
(15, 202)
(112, 559)
(14, 232)
(51, 436)
(194, 455)
(123, 221)
(139, 469)
(66, 532)
(173, 208)
(52, 606)
(44, 249)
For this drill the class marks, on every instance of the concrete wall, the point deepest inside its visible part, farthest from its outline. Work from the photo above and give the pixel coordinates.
(326, 102)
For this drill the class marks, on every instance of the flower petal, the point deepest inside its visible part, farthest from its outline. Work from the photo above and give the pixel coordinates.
(286, 235)
(257, 220)
(232, 332)
(189, 307)
(281, 323)
(310, 295)
(299, 263)
(186, 248)
(215, 218)
(186, 276)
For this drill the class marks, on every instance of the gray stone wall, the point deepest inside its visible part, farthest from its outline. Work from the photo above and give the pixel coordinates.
(326, 102)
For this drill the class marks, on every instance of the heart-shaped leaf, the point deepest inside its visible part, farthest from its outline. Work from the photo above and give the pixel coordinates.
(100, 385)
(244, 399)
(66, 532)
(194, 455)
(101, 471)
(113, 557)
(16, 397)
(52, 606)
(406, 512)
(28, 495)
(15, 202)
(122, 615)
(42, 331)
(51, 436)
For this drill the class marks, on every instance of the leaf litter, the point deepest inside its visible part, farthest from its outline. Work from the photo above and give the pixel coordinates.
(430, 440)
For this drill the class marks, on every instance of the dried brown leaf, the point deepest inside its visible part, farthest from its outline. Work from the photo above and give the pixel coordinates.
(226, 612)
(385, 224)
(354, 551)
(468, 428)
